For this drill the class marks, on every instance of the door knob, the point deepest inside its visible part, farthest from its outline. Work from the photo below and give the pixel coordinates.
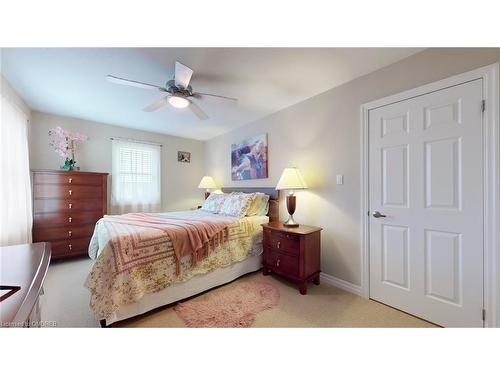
(378, 214)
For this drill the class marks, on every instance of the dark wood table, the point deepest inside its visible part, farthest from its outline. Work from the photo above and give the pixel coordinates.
(22, 273)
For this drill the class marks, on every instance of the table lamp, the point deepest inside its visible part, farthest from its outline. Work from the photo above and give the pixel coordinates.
(291, 179)
(207, 183)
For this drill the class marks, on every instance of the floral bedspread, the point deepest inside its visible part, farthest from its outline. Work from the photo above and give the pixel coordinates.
(111, 288)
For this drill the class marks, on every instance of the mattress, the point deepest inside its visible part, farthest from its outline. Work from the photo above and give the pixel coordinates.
(179, 291)
(115, 291)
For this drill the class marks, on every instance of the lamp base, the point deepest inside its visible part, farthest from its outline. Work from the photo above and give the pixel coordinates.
(290, 206)
(290, 222)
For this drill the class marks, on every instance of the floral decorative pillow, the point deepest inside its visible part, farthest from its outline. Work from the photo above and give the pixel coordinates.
(214, 203)
(236, 205)
(259, 205)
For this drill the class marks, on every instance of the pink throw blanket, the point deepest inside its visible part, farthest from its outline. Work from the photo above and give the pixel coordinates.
(135, 237)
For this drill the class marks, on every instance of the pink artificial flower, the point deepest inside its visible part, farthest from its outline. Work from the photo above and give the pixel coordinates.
(78, 137)
(65, 145)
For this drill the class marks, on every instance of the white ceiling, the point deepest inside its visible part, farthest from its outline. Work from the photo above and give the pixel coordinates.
(71, 81)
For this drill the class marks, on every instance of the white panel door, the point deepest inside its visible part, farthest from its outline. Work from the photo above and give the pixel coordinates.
(426, 246)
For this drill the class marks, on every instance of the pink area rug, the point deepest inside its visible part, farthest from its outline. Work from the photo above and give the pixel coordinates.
(236, 307)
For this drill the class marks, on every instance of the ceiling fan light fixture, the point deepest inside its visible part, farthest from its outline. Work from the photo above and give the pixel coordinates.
(178, 101)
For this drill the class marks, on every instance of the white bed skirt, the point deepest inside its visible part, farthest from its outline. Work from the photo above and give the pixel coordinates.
(193, 286)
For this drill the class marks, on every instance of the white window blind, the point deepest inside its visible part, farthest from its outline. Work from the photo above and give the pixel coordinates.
(136, 179)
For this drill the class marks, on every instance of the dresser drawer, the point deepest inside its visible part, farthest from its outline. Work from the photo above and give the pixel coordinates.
(282, 263)
(66, 191)
(67, 205)
(62, 233)
(46, 220)
(67, 179)
(78, 246)
(283, 242)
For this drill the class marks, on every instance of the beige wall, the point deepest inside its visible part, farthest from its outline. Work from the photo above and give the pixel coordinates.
(180, 180)
(321, 136)
(9, 93)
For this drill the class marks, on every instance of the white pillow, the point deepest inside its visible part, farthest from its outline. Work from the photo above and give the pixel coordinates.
(259, 205)
(213, 203)
(236, 204)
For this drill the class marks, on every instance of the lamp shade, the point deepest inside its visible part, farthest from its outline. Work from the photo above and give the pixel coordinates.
(291, 179)
(207, 182)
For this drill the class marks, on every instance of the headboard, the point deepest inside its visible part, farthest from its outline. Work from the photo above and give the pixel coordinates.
(274, 196)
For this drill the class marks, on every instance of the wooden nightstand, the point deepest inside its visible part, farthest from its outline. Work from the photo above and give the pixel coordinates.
(292, 252)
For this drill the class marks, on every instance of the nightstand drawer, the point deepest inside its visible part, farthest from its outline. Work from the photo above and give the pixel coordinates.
(283, 242)
(282, 263)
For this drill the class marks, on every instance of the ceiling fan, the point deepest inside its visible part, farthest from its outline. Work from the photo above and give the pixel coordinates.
(179, 91)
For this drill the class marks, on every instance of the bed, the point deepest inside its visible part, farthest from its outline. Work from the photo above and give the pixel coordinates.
(129, 279)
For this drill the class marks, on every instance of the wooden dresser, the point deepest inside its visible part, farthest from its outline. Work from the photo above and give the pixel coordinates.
(66, 206)
(292, 252)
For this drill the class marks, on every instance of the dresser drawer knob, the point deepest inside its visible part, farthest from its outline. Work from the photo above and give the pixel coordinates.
(70, 205)
(70, 219)
(70, 246)
(70, 192)
(278, 263)
(278, 244)
(70, 180)
(69, 233)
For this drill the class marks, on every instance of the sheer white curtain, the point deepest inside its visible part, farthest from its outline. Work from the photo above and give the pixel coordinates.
(15, 186)
(135, 179)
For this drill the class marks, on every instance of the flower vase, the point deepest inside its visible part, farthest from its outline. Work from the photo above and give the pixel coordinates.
(69, 164)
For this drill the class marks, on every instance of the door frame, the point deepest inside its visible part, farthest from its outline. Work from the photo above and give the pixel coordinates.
(491, 180)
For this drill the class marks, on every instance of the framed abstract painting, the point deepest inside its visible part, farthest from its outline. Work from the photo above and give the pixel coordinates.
(249, 158)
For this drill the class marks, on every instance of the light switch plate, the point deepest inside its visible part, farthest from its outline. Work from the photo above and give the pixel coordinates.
(340, 179)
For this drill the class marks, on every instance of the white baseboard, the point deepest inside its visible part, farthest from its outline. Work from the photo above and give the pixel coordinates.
(342, 284)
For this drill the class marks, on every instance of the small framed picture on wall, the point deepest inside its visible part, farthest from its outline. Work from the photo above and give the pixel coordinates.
(183, 157)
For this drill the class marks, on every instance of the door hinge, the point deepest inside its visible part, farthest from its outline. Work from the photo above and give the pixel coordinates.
(483, 105)
(368, 213)
(484, 315)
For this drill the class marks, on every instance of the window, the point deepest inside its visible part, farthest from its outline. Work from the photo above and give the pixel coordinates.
(136, 180)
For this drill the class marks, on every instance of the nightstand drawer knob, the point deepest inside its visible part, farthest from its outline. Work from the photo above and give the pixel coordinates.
(278, 263)
(278, 244)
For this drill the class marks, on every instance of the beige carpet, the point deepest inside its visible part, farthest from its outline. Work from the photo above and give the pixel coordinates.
(66, 301)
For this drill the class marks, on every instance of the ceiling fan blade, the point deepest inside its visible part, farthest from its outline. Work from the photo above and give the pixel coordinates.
(156, 105)
(129, 82)
(195, 94)
(182, 75)
(197, 111)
